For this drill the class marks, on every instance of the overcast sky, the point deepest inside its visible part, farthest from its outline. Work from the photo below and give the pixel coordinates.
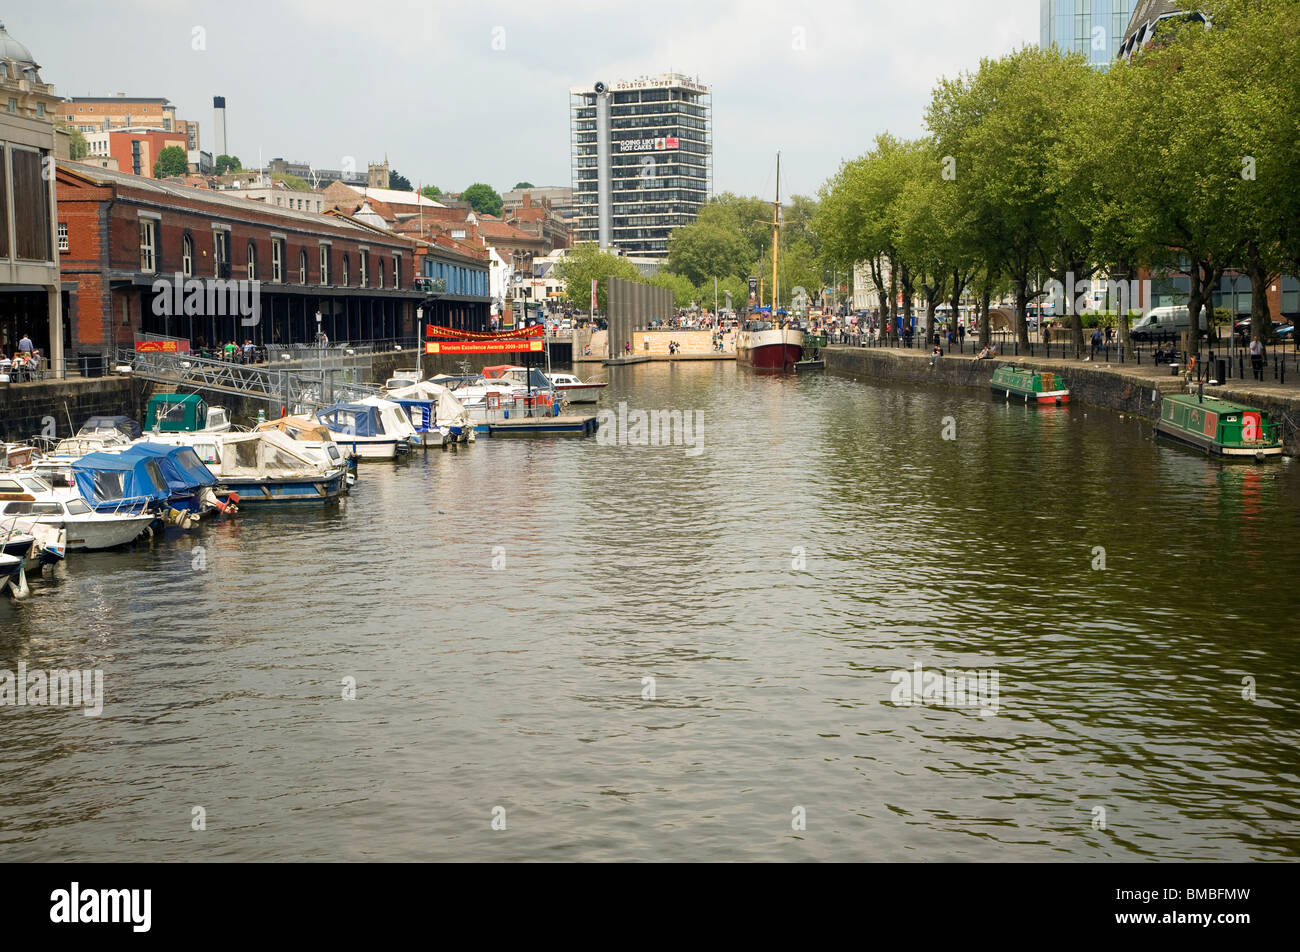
(461, 92)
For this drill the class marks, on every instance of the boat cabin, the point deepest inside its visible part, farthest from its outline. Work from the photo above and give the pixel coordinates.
(176, 413)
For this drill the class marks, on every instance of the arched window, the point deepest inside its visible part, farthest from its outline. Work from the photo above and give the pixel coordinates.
(187, 255)
(344, 282)
(324, 264)
(380, 271)
(302, 266)
(252, 261)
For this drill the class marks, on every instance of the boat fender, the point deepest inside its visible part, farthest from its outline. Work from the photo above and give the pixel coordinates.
(20, 589)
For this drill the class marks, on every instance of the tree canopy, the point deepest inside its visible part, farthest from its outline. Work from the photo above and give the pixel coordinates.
(399, 182)
(586, 262)
(172, 160)
(227, 163)
(484, 199)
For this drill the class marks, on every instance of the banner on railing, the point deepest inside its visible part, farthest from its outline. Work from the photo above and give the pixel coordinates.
(483, 347)
(157, 347)
(433, 330)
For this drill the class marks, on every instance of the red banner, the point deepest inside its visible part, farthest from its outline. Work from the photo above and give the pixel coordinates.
(433, 330)
(483, 347)
(157, 347)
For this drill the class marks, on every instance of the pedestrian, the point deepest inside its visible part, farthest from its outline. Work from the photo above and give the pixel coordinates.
(935, 354)
(1096, 341)
(961, 334)
(25, 345)
(1257, 358)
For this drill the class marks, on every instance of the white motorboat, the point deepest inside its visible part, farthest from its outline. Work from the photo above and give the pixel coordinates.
(371, 429)
(313, 439)
(264, 467)
(574, 390)
(438, 417)
(27, 501)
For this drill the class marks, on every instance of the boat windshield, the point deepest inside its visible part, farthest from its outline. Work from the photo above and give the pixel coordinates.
(77, 507)
(36, 484)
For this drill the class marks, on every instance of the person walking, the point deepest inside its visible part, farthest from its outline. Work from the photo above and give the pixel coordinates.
(1257, 358)
(1096, 342)
(25, 345)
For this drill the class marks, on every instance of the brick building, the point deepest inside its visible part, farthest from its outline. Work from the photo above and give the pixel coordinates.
(100, 113)
(124, 233)
(135, 150)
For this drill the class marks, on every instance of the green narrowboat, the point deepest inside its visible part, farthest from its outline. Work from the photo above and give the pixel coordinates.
(183, 413)
(1033, 386)
(1219, 427)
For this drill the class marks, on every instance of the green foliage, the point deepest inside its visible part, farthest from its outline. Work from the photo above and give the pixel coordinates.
(431, 192)
(484, 199)
(683, 289)
(171, 161)
(399, 182)
(227, 163)
(519, 185)
(585, 262)
(291, 181)
(77, 147)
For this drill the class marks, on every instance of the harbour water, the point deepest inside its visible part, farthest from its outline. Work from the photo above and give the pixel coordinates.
(645, 652)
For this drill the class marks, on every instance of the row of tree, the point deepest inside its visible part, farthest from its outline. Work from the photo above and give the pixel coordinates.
(1183, 160)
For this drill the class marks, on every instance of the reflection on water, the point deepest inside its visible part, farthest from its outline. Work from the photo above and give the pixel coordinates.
(826, 537)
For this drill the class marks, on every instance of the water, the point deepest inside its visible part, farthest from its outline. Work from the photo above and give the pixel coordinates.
(521, 687)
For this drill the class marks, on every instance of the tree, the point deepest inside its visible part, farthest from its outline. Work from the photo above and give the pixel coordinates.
(683, 289)
(586, 262)
(519, 185)
(171, 161)
(227, 163)
(431, 192)
(291, 181)
(398, 182)
(708, 249)
(484, 199)
(77, 147)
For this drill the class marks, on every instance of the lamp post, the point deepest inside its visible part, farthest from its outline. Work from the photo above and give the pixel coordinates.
(320, 357)
(419, 342)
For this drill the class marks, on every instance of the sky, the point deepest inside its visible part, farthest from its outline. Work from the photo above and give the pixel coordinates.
(456, 93)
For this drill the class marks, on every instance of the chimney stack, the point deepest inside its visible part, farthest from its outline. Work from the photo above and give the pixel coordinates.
(219, 124)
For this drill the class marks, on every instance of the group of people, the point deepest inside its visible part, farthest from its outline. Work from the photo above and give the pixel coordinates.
(25, 363)
(231, 351)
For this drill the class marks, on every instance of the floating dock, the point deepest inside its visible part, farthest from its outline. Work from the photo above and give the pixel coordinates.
(583, 425)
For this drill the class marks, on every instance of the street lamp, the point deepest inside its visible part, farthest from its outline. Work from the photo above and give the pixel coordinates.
(419, 342)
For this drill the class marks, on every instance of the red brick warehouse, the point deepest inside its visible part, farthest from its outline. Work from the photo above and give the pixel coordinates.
(125, 232)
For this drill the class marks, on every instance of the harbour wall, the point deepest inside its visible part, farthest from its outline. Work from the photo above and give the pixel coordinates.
(1127, 389)
(27, 408)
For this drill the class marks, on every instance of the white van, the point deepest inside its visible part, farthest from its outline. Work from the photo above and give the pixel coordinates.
(1163, 322)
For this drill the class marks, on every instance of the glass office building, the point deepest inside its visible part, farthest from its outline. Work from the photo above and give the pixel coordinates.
(1094, 28)
(660, 156)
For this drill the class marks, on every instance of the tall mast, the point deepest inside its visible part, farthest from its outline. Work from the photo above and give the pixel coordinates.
(776, 237)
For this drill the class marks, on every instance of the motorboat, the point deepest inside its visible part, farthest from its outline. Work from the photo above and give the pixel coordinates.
(38, 545)
(437, 416)
(265, 466)
(573, 390)
(184, 413)
(191, 483)
(28, 501)
(372, 429)
(314, 440)
(491, 400)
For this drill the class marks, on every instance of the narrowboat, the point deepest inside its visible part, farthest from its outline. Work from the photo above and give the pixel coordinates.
(1033, 386)
(1219, 427)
